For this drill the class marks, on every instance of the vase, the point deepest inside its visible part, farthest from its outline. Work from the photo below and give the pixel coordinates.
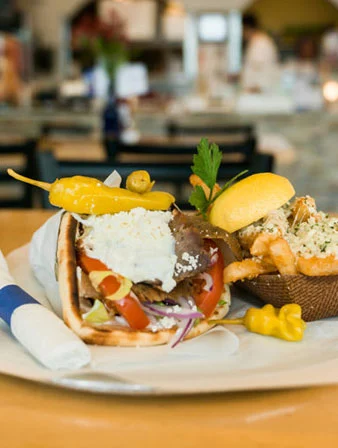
(111, 125)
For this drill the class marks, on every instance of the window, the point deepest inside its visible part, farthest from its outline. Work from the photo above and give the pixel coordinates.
(212, 28)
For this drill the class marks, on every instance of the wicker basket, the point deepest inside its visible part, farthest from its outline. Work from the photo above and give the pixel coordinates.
(318, 296)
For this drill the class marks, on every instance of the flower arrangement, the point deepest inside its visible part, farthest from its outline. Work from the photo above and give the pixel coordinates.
(104, 40)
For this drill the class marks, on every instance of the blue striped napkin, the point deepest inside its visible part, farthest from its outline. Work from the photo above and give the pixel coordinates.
(38, 329)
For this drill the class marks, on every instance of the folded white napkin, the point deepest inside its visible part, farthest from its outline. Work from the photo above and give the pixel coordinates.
(38, 329)
(42, 258)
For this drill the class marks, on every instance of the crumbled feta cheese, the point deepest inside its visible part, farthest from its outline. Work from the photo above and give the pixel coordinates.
(275, 222)
(164, 323)
(315, 238)
(192, 263)
(190, 259)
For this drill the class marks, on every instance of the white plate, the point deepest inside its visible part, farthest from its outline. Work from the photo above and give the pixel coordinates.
(212, 363)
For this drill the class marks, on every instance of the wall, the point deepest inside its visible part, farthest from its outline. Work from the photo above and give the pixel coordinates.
(275, 15)
(47, 16)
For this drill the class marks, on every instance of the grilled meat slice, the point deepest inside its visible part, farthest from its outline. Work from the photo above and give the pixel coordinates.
(208, 231)
(192, 258)
(147, 293)
(190, 230)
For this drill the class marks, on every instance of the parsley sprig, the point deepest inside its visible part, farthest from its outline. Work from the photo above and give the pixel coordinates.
(206, 164)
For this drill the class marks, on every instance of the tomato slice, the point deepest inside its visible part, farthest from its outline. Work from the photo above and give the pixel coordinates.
(128, 307)
(88, 264)
(207, 300)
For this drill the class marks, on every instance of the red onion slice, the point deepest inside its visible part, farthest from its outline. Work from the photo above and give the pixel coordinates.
(184, 304)
(181, 332)
(183, 327)
(185, 318)
(169, 302)
(208, 281)
(165, 312)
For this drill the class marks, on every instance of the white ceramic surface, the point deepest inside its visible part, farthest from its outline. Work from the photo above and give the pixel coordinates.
(212, 363)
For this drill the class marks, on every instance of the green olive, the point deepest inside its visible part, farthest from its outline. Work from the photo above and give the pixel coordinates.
(139, 182)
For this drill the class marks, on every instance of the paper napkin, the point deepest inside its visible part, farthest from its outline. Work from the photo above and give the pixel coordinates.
(38, 329)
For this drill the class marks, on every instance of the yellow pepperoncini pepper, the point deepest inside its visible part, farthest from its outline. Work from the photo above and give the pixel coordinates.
(86, 195)
(139, 182)
(284, 323)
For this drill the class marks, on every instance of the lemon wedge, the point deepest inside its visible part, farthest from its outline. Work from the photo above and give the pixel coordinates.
(97, 314)
(249, 200)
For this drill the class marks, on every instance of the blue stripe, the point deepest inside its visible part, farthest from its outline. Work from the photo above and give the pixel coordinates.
(12, 297)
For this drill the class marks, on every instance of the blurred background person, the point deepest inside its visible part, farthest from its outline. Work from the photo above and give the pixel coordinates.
(260, 62)
(307, 92)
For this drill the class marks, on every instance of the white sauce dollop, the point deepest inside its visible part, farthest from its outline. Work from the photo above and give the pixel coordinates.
(137, 244)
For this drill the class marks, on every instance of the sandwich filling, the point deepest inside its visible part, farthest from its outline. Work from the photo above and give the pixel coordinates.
(148, 270)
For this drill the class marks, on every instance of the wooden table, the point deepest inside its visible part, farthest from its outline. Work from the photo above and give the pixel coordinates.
(32, 415)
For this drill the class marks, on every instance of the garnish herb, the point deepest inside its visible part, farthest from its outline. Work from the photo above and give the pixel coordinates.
(199, 201)
(323, 247)
(206, 164)
(197, 321)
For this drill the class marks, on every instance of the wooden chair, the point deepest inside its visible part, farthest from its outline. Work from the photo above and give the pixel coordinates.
(27, 149)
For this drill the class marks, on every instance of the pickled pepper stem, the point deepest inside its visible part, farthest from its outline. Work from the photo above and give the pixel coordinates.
(227, 322)
(44, 185)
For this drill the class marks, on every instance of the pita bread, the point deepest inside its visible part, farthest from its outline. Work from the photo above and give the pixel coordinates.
(103, 335)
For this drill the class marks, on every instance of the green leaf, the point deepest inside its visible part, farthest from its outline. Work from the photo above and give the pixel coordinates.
(207, 162)
(198, 200)
(228, 184)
